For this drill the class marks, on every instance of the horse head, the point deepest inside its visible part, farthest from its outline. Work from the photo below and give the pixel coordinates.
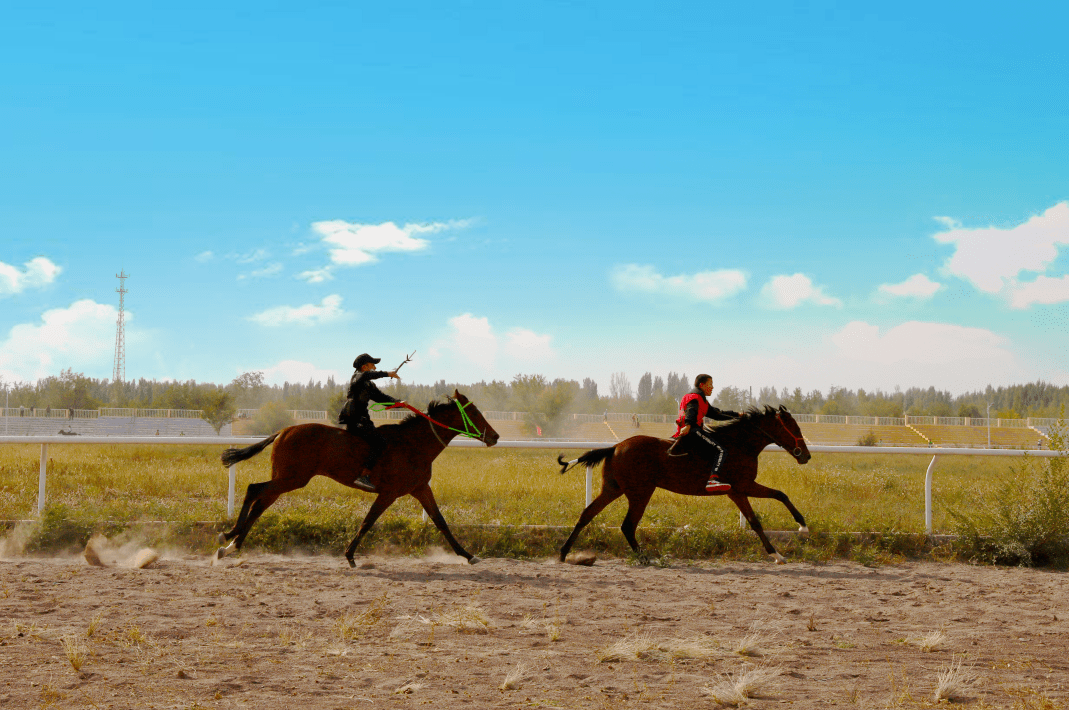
(472, 421)
(785, 433)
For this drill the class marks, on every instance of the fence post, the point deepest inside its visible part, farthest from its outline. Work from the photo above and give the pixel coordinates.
(928, 496)
(589, 486)
(42, 479)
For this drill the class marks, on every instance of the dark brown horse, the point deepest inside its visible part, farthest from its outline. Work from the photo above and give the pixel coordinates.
(308, 450)
(637, 466)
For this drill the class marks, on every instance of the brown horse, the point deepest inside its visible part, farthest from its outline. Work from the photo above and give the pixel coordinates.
(637, 466)
(308, 450)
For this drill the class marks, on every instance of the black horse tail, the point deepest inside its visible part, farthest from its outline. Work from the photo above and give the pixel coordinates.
(232, 456)
(590, 458)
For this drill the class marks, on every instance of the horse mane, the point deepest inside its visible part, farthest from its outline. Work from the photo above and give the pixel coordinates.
(746, 417)
(434, 408)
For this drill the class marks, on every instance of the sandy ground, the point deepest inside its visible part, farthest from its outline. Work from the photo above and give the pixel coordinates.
(277, 632)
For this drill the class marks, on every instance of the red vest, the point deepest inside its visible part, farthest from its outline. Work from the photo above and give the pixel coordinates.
(703, 407)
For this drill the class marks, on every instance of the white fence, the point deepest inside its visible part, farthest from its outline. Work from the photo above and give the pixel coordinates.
(935, 453)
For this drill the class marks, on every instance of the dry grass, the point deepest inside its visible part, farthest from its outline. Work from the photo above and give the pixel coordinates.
(953, 682)
(514, 677)
(94, 624)
(756, 640)
(350, 626)
(641, 646)
(76, 651)
(932, 642)
(630, 648)
(734, 688)
(470, 619)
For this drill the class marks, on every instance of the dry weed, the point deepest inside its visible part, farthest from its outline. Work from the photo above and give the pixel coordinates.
(953, 682)
(932, 642)
(629, 648)
(350, 626)
(75, 649)
(734, 688)
(514, 677)
(94, 624)
(470, 619)
(755, 642)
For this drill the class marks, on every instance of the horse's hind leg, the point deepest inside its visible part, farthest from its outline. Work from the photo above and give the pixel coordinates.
(378, 507)
(251, 494)
(610, 491)
(636, 508)
(746, 509)
(253, 508)
(426, 498)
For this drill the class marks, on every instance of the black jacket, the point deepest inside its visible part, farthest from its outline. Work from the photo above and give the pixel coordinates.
(362, 390)
(690, 414)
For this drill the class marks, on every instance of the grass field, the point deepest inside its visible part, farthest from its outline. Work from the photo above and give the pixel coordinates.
(492, 498)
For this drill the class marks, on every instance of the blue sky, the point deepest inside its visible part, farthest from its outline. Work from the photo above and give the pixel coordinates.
(828, 195)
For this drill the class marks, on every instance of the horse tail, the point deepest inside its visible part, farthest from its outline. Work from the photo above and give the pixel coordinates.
(590, 458)
(232, 456)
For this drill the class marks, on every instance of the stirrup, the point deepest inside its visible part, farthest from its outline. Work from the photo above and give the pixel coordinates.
(365, 484)
(715, 485)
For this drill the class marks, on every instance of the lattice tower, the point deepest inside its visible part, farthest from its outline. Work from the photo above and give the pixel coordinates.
(120, 331)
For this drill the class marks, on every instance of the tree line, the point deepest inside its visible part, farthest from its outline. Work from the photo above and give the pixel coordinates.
(545, 399)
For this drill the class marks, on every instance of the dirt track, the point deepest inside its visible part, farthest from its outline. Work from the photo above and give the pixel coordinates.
(273, 632)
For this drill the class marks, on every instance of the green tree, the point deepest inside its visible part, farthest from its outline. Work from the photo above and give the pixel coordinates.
(270, 418)
(219, 409)
(249, 389)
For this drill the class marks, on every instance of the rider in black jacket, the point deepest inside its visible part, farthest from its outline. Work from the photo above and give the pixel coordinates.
(354, 415)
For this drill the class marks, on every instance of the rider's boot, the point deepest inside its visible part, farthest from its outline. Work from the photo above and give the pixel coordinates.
(364, 482)
(715, 485)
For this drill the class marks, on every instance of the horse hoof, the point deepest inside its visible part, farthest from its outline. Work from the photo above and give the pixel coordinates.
(220, 553)
(779, 558)
(473, 560)
(352, 562)
(221, 538)
(804, 530)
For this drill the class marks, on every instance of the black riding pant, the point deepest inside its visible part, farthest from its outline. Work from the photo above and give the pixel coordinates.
(705, 446)
(369, 433)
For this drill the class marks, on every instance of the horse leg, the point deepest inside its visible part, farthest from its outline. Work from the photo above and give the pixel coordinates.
(610, 491)
(636, 507)
(743, 504)
(251, 494)
(267, 493)
(378, 507)
(426, 498)
(753, 489)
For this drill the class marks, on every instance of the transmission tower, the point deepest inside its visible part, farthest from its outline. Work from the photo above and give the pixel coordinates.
(120, 331)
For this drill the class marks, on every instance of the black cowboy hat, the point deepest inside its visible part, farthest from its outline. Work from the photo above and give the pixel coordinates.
(364, 359)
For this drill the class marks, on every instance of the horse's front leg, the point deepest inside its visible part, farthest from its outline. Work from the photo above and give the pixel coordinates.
(426, 498)
(378, 507)
(753, 489)
(743, 504)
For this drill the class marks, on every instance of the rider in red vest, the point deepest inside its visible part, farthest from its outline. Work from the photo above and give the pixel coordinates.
(693, 408)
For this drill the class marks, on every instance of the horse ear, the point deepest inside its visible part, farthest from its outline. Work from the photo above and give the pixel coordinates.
(456, 394)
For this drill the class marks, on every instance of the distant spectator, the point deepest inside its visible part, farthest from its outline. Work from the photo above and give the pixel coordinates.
(70, 413)
(33, 411)
(605, 417)
(634, 420)
(48, 411)
(22, 411)
(157, 432)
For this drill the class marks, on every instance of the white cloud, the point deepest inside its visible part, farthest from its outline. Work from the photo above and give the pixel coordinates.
(205, 256)
(918, 342)
(702, 286)
(296, 371)
(354, 244)
(524, 344)
(993, 259)
(1043, 290)
(474, 351)
(916, 286)
(310, 314)
(316, 276)
(792, 291)
(252, 256)
(266, 272)
(37, 272)
(81, 337)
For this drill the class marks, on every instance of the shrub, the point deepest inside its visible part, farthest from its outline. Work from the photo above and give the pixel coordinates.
(270, 418)
(868, 439)
(1024, 522)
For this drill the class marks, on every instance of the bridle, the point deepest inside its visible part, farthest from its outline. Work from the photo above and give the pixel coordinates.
(470, 430)
(798, 440)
